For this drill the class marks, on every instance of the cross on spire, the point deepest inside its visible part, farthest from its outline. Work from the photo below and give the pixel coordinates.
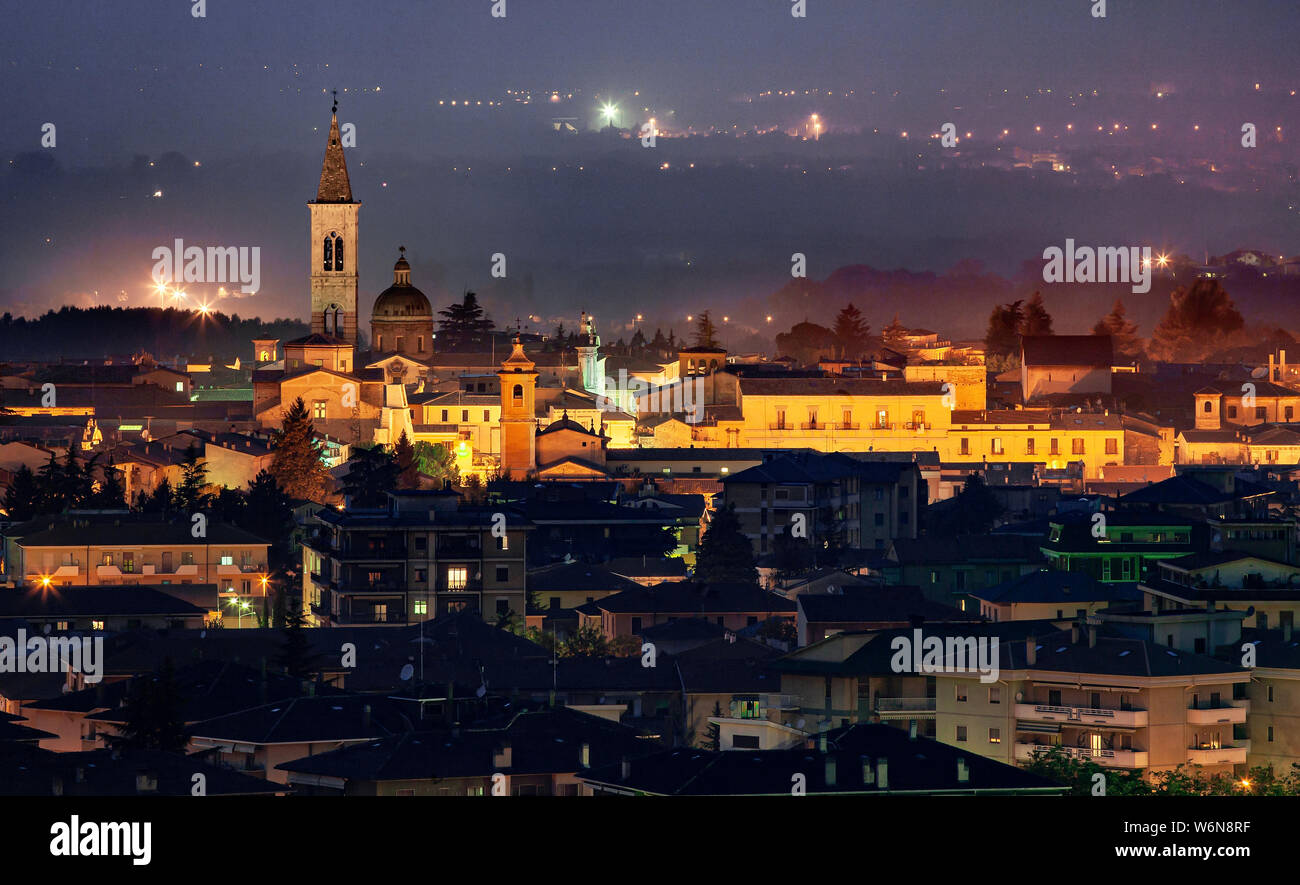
(336, 102)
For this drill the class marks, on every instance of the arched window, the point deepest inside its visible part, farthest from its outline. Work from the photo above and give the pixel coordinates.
(338, 253)
(329, 253)
(379, 343)
(1207, 405)
(419, 344)
(518, 395)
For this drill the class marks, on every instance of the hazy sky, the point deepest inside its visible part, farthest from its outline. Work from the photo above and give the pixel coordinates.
(242, 91)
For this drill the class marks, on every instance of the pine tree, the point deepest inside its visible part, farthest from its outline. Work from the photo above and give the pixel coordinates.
(268, 514)
(408, 468)
(725, 556)
(296, 656)
(153, 719)
(850, 332)
(49, 482)
(1122, 332)
(23, 498)
(372, 473)
(1036, 320)
(296, 461)
(894, 335)
(190, 495)
(111, 494)
(706, 334)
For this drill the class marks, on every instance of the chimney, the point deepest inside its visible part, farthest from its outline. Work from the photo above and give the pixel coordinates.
(1271, 375)
(882, 774)
(1281, 366)
(1031, 651)
(830, 771)
(963, 772)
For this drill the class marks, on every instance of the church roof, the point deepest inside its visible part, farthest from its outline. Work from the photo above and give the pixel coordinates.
(401, 300)
(318, 339)
(518, 361)
(566, 423)
(334, 184)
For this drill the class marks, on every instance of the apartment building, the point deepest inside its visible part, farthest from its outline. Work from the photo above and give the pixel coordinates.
(1120, 545)
(1252, 585)
(837, 499)
(424, 555)
(114, 549)
(1103, 696)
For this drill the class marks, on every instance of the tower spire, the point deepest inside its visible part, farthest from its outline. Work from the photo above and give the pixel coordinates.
(334, 184)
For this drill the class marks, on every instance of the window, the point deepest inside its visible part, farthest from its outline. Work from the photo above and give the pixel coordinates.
(445, 415)
(961, 693)
(517, 395)
(421, 543)
(503, 574)
(1207, 408)
(327, 252)
(996, 447)
(227, 559)
(457, 578)
(961, 734)
(318, 409)
(61, 625)
(995, 735)
(108, 559)
(503, 606)
(464, 416)
(744, 742)
(1289, 412)
(1270, 734)
(1232, 411)
(1261, 413)
(420, 607)
(487, 415)
(1112, 446)
(128, 563)
(338, 253)
(180, 386)
(882, 418)
(965, 446)
(187, 558)
(1076, 446)
(503, 542)
(995, 694)
(636, 625)
(1029, 446)
(1055, 447)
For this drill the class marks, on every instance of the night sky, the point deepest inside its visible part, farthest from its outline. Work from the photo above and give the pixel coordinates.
(243, 93)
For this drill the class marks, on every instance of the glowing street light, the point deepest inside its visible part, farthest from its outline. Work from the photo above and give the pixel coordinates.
(609, 111)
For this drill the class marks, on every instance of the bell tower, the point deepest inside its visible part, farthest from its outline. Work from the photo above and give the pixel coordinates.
(333, 245)
(518, 418)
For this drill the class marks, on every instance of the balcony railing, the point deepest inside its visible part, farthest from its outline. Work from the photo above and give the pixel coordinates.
(1122, 758)
(449, 549)
(445, 585)
(1121, 718)
(780, 425)
(1223, 713)
(887, 707)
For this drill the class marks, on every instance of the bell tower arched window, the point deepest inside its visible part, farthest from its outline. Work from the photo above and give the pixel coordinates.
(517, 395)
(328, 254)
(338, 253)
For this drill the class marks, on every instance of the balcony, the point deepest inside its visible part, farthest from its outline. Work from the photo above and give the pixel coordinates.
(453, 549)
(779, 701)
(812, 425)
(364, 618)
(1231, 754)
(1108, 758)
(473, 585)
(1082, 715)
(1220, 715)
(846, 425)
(904, 708)
(781, 425)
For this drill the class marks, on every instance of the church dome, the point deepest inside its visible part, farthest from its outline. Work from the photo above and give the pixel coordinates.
(401, 300)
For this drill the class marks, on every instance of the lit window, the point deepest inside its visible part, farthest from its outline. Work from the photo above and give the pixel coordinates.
(97, 625)
(457, 578)
(421, 607)
(318, 409)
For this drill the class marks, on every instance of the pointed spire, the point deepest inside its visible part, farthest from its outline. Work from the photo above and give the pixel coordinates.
(334, 184)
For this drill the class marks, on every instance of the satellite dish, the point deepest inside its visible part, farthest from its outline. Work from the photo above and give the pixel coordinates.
(800, 724)
(407, 672)
(1258, 372)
